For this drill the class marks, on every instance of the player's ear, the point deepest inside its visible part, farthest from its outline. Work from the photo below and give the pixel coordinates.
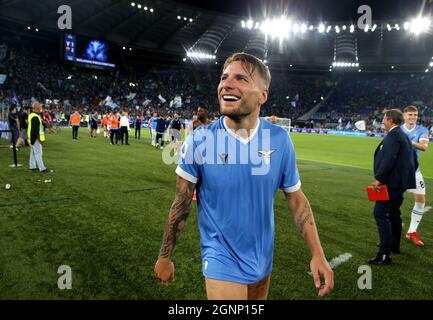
(263, 96)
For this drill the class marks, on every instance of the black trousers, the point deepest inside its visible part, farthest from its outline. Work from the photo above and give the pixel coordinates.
(388, 220)
(114, 132)
(137, 132)
(159, 137)
(75, 132)
(124, 134)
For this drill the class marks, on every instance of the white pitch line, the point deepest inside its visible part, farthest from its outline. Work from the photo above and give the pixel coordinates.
(335, 262)
(344, 165)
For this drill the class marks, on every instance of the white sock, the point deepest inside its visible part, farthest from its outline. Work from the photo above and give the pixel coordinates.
(417, 213)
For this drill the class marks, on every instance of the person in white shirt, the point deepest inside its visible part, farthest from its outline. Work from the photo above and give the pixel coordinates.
(124, 128)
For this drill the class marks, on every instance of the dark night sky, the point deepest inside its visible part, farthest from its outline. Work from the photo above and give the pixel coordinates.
(315, 10)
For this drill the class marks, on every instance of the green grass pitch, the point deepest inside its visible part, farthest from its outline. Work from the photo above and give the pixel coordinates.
(104, 211)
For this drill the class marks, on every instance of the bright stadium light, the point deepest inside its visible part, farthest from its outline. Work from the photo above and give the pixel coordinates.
(396, 26)
(250, 24)
(190, 20)
(366, 28)
(295, 28)
(185, 18)
(37, 30)
(352, 28)
(151, 10)
(321, 28)
(243, 24)
(406, 25)
(265, 61)
(328, 29)
(389, 27)
(419, 25)
(257, 25)
(303, 28)
(337, 29)
(311, 28)
(139, 6)
(426, 70)
(145, 8)
(431, 64)
(184, 59)
(374, 27)
(124, 48)
(178, 17)
(344, 27)
(359, 70)
(28, 28)
(392, 67)
(200, 55)
(132, 4)
(276, 28)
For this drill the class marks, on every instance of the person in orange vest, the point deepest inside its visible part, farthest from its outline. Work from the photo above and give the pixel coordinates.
(114, 125)
(74, 121)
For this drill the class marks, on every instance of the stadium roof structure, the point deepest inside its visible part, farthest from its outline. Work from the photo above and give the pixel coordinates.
(193, 32)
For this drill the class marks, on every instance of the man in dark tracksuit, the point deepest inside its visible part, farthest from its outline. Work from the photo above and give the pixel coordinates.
(395, 163)
(161, 126)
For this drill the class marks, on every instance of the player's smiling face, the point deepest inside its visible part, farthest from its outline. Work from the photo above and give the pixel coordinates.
(410, 118)
(240, 92)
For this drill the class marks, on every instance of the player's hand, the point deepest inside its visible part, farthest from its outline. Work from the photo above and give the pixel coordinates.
(321, 268)
(164, 270)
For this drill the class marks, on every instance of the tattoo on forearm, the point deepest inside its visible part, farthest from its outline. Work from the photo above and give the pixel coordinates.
(303, 217)
(177, 216)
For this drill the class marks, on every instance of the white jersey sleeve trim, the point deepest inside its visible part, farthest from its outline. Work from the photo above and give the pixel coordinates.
(187, 176)
(294, 188)
(425, 139)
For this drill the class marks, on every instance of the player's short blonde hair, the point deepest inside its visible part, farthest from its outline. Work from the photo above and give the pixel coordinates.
(410, 109)
(251, 63)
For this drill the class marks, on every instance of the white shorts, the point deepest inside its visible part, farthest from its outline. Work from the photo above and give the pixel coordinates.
(420, 185)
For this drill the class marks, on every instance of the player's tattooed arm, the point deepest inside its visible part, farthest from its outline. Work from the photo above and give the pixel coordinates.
(177, 216)
(303, 217)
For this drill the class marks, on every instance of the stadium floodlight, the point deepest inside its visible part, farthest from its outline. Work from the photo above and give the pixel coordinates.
(200, 55)
(344, 27)
(37, 30)
(250, 24)
(243, 24)
(426, 70)
(303, 28)
(151, 10)
(352, 28)
(265, 61)
(295, 28)
(359, 70)
(374, 27)
(132, 4)
(190, 20)
(69, 77)
(396, 26)
(431, 64)
(28, 28)
(366, 28)
(406, 25)
(185, 18)
(257, 25)
(124, 48)
(311, 28)
(130, 49)
(184, 59)
(419, 25)
(337, 29)
(389, 27)
(392, 67)
(179, 17)
(287, 97)
(139, 6)
(145, 8)
(321, 28)
(291, 65)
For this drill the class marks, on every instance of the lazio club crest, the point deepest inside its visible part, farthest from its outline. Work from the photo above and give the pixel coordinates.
(266, 156)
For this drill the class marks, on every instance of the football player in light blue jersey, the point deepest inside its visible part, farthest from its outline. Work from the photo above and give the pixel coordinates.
(237, 165)
(420, 139)
(152, 126)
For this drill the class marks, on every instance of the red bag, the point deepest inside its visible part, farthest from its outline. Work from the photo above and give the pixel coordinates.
(379, 195)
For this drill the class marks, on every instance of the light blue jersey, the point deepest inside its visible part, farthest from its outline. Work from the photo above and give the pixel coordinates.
(153, 122)
(417, 134)
(236, 181)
